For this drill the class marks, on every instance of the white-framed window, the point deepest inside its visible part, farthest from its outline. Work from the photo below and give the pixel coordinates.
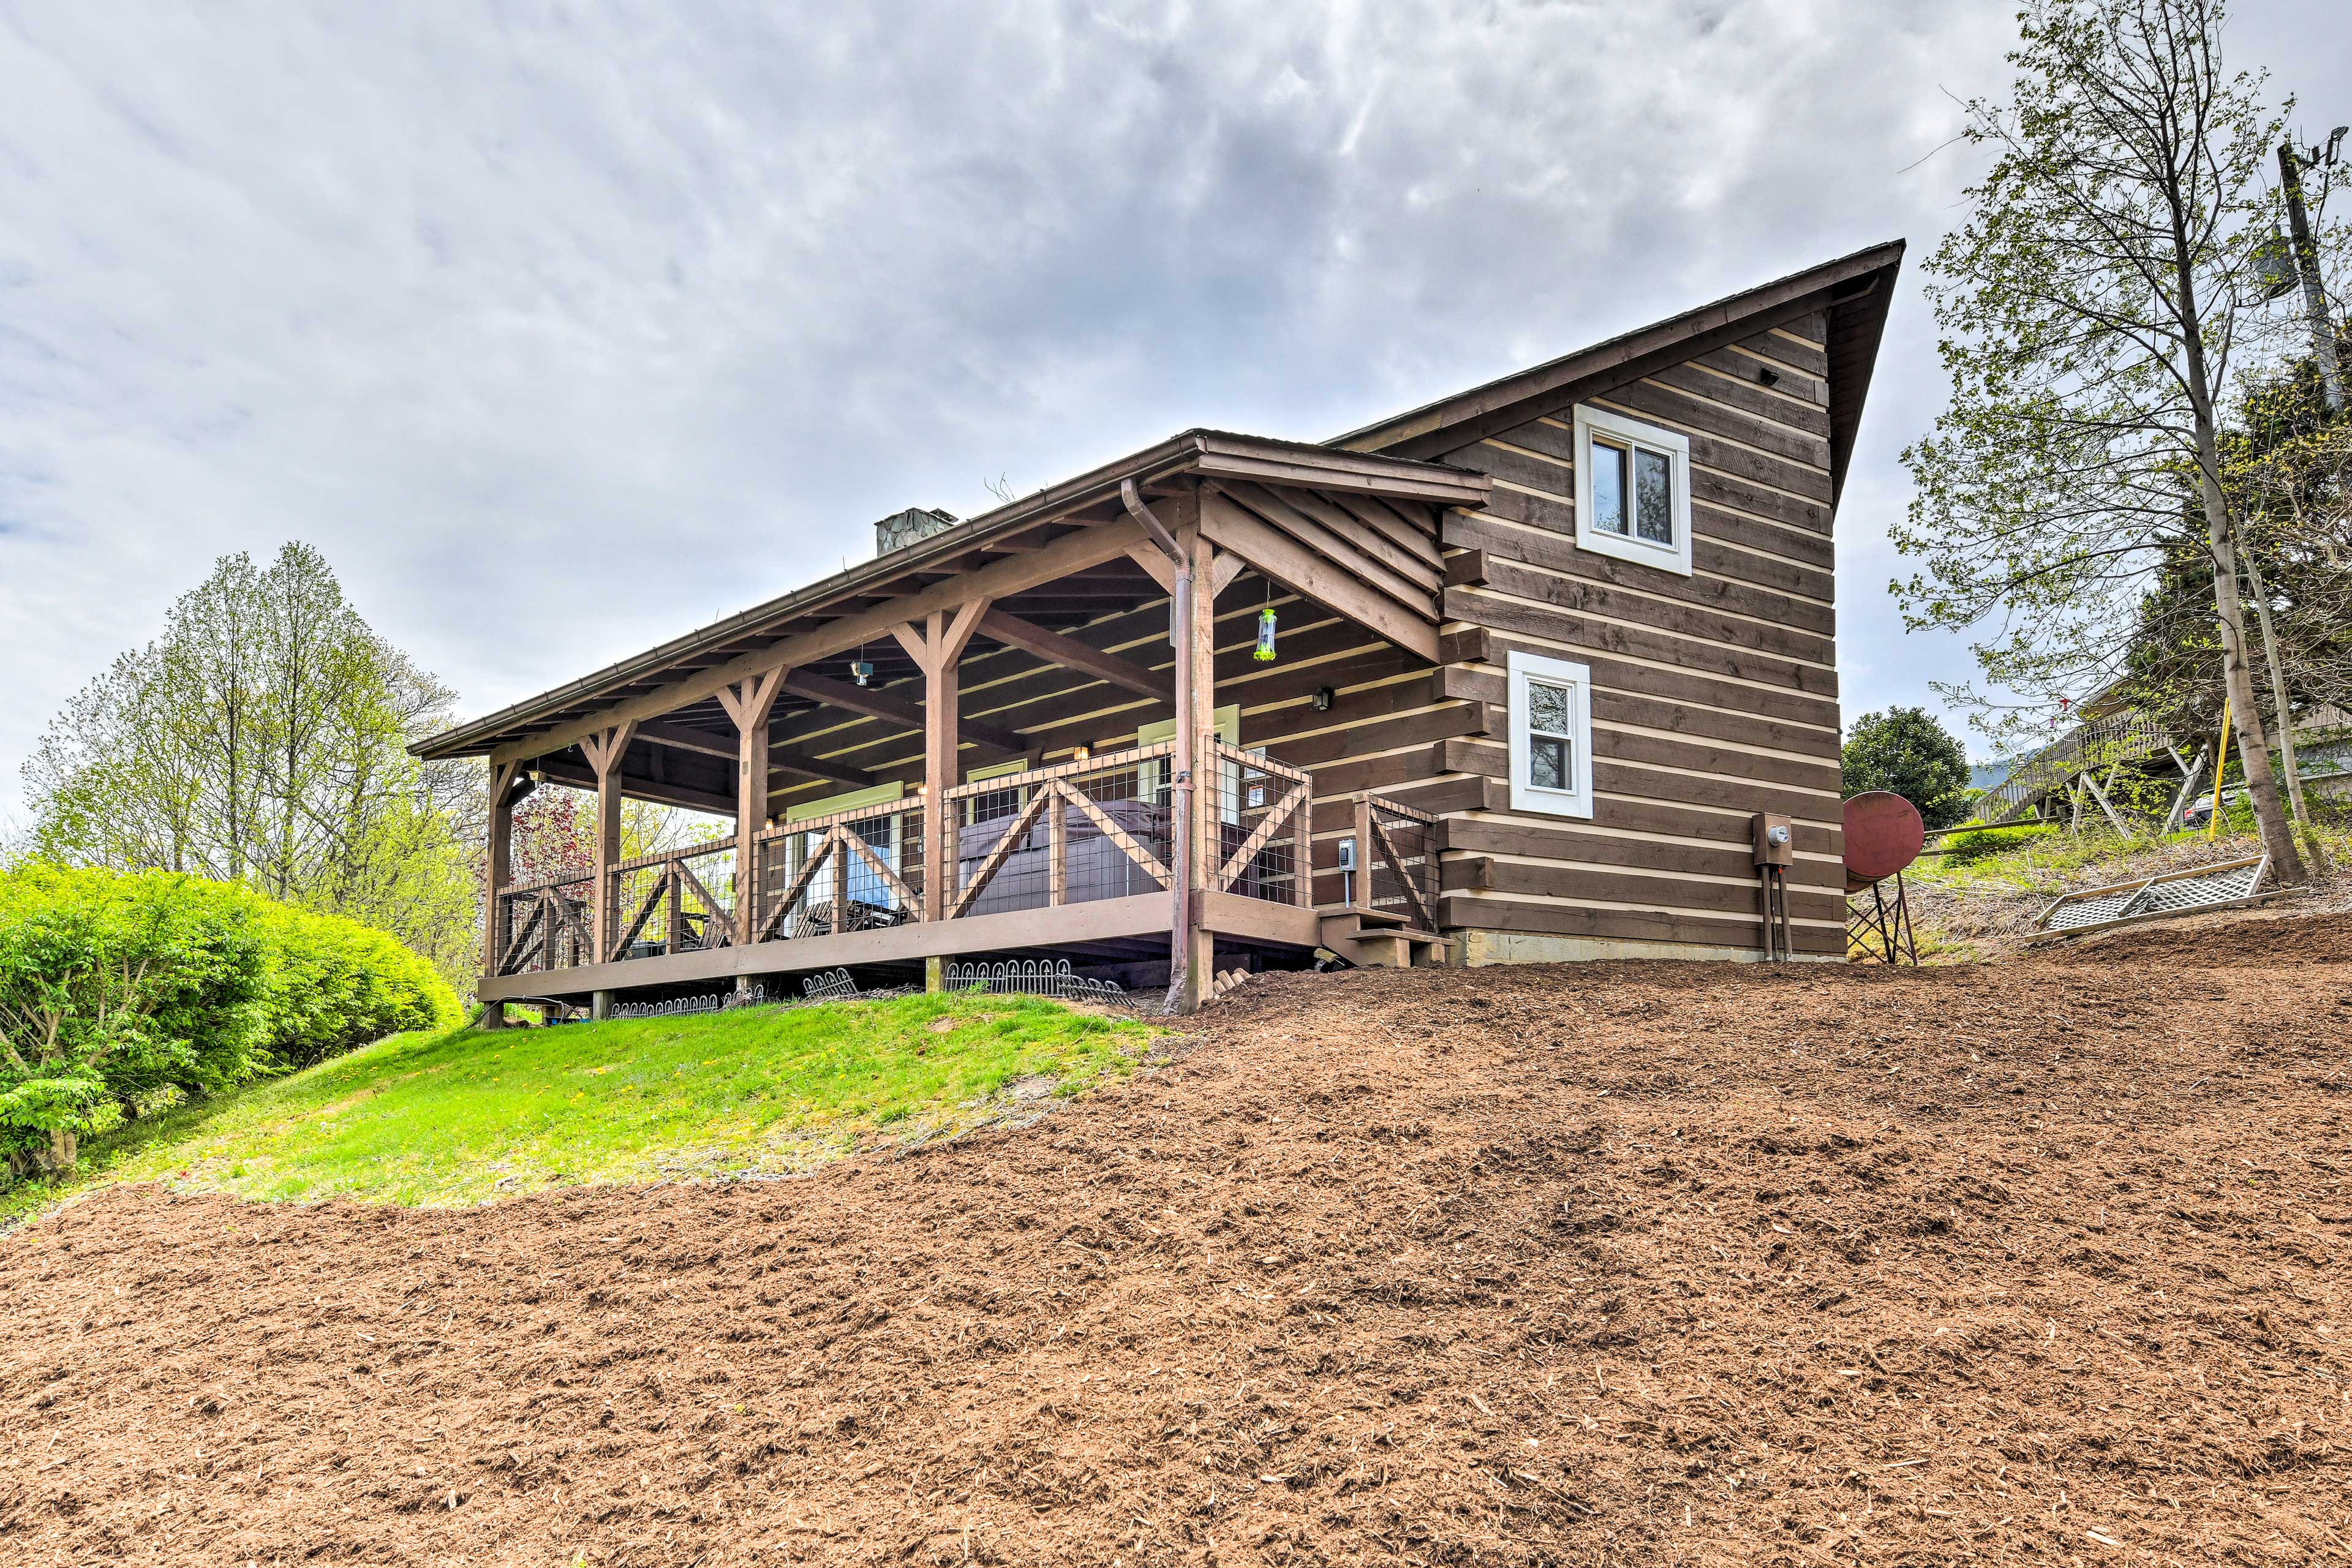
(1551, 735)
(1632, 491)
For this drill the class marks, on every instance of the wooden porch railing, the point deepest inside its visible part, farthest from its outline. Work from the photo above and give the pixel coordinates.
(1396, 869)
(1263, 842)
(682, 900)
(542, 926)
(852, 870)
(1043, 838)
(1069, 834)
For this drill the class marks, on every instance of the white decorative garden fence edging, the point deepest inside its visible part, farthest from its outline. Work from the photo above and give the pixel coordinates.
(1019, 977)
(1035, 977)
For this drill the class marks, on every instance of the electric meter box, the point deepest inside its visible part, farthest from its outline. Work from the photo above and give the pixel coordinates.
(1776, 839)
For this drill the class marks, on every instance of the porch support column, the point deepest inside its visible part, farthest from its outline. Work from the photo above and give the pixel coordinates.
(604, 750)
(1196, 673)
(749, 702)
(937, 647)
(498, 870)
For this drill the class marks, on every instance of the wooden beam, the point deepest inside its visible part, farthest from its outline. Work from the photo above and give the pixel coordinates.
(1072, 553)
(1054, 647)
(1222, 570)
(1196, 667)
(1302, 571)
(1344, 553)
(498, 863)
(1155, 562)
(577, 777)
(679, 737)
(885, 703)
(1329, 469)
(792, 760)
(604, 751)
(749, 702)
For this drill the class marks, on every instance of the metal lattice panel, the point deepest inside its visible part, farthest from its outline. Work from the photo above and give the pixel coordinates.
(2169, 898)
(2090, 909)
(2174, 893)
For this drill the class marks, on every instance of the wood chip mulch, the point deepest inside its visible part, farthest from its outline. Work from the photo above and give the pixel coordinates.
(2040, 1261)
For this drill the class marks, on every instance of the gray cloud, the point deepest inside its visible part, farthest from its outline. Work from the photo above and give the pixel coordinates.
(561, 328)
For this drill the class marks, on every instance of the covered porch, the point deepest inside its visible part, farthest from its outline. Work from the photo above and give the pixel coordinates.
(1042, 733)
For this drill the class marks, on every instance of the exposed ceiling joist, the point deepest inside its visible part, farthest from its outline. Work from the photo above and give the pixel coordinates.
(1068, 652)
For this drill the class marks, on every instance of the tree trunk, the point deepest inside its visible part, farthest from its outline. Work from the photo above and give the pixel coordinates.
(2279, 704)
(2254, 746)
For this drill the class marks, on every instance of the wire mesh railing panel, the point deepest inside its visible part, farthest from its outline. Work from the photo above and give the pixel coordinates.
(1261, 826)
(679, 902)
(1397, 866)
(542, 926)
(827, 875)
(1072, 834)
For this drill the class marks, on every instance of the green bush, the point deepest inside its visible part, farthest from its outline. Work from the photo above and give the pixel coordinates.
(1980, 843)
(121, 990)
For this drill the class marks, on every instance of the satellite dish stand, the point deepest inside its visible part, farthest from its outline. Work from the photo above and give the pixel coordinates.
(1882, 928)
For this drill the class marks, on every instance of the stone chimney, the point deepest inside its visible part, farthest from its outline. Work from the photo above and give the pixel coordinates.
(904, 528)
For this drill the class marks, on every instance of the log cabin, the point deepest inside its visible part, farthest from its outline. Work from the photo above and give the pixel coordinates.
(1516, 676)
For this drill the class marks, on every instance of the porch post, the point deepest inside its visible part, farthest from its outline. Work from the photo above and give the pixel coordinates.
(749, 703)
(604, 751)
(1196, 671)
(936, 647)
(498, 870)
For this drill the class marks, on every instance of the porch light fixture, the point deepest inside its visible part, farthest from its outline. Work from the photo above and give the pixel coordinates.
(1080, 753)
(1323, 695)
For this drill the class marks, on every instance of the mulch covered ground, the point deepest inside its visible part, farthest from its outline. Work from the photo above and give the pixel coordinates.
(1631, 1263)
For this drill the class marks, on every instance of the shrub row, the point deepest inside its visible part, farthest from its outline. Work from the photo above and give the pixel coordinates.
(116, 990)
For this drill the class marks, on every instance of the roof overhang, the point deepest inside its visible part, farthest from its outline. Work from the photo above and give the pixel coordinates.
(1209, 455)
(1854, 290)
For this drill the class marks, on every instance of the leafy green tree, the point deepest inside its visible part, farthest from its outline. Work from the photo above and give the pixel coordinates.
(2093, 305)
(1905, 750)
(263, 738)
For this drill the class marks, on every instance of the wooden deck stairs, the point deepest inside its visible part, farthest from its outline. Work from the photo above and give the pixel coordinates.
(1380, 938)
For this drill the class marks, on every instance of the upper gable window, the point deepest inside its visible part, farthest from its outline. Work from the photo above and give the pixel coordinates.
(1632, 491)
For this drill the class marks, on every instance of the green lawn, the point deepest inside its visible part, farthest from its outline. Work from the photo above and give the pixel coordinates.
(466, 1116)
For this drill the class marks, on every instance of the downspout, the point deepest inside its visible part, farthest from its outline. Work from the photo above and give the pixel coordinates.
(1179, 615)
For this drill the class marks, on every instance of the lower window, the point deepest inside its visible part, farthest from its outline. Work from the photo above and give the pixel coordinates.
(1551, 735)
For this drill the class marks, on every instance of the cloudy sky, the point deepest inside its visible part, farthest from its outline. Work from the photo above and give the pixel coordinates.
(562, 328)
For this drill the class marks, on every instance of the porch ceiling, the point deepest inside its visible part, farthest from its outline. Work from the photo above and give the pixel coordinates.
(1009, 554)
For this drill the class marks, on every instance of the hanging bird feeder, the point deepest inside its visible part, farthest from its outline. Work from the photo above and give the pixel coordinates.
(1264, 652)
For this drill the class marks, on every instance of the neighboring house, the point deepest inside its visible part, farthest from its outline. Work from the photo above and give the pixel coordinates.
(1537, 654)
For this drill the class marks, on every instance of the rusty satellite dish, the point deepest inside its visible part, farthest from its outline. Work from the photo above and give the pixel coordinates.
(1884, 833)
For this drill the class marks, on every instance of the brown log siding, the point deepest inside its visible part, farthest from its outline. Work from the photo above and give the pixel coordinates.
(1714, 696)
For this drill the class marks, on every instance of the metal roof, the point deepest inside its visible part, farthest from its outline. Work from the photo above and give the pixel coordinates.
(1212, 453)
